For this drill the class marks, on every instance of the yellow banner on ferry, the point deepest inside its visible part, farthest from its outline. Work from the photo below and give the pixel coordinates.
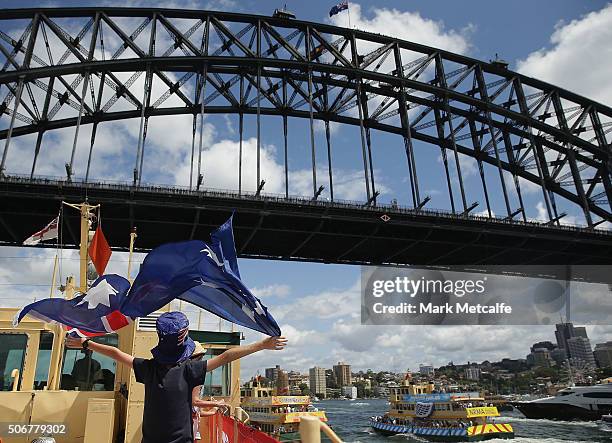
(277, 400)
(488, 411)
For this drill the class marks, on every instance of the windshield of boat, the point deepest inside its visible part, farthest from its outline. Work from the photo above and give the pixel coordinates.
(12, 355)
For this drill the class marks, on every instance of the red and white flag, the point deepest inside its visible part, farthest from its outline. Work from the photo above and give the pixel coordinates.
(49, 232)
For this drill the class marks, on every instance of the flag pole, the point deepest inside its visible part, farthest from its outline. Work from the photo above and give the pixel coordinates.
(348, 8)
(133, 236)
(53, 277)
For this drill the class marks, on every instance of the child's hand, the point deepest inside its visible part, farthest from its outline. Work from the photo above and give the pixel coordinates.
(74, 342)
(274, 343)
(208, 403)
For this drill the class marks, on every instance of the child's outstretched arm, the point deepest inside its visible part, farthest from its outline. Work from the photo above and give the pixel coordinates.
(272, 343)
(109, 351)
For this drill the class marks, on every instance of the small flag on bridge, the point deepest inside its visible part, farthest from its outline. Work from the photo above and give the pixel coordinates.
(49, 232)
(342, 6)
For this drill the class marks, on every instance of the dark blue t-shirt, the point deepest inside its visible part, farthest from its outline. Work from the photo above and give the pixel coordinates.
(167, 403)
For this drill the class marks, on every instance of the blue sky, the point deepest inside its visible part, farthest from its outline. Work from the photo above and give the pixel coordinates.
(563, 42)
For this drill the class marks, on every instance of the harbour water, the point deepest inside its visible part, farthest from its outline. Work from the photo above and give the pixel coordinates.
(350, 421)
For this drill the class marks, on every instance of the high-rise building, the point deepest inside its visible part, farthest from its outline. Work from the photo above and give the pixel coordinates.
(317, 381)
(579, 348)
(575, 342)
(272, 373)
(342, 371)
(603, 354)
(426, 370)
(563, 332)
(330, 379)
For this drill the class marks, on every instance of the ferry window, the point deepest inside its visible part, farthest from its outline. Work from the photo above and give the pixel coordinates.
(43, 360)
(89, 371)
(217, 382)
(598, 394)
(12, 356)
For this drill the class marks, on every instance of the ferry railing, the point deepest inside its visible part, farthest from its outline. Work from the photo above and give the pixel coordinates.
(311, 428)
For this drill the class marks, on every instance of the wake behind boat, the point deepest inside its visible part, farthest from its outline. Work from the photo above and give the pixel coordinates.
(586, 403)
(462, 416)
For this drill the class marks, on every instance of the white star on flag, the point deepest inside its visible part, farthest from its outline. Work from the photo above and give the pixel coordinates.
(98, 295)
(212, 256)
(203, 282)
(248, 311)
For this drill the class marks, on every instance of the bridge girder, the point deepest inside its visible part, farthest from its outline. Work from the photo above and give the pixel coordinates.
(215, 62)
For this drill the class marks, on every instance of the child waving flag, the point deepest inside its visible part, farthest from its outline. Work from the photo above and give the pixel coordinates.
(170, 376)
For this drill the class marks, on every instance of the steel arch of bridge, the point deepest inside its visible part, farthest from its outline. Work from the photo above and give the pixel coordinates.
(526, 129)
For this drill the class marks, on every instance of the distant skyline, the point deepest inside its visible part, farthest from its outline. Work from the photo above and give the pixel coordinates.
(563, 42)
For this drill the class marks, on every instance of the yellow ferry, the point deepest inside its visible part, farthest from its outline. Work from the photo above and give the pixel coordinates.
(461, 416)
(277, 415)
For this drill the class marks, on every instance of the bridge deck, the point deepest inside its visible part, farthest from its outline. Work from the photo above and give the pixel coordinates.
(297, 229)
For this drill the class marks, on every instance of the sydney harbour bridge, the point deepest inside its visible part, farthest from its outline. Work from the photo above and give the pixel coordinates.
(72, 68)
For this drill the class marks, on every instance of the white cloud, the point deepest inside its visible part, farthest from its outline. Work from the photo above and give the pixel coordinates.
(406, 25)
(329, 304)
(580, 58)
(273, 290)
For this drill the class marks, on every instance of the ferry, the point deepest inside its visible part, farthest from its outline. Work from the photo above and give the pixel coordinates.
(277, 415)
(460, 416)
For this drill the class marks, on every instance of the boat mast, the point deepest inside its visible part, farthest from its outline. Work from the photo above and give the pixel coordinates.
(85, 209)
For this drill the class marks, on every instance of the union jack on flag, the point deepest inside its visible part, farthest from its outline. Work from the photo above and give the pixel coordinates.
(343, 5)
(96, 312)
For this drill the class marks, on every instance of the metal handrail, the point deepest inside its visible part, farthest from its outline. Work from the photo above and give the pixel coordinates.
(310, 430)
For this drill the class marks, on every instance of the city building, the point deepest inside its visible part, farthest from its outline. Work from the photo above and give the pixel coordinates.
(603, 354)
(294, 378)
(566, 332)
(579, 348)
(426, 370)
(558, 355)
(472, 373)
(330, 379)
(540, 356)
(333, 393)
(282, 383)
(317, 381)
(548, 345)
(349, 391)
(381, 391)
(342, 371)
(272, 373)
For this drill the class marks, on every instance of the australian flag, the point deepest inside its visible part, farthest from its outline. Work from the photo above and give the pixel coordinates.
(343, 5)
(204, 274)
(97, 312)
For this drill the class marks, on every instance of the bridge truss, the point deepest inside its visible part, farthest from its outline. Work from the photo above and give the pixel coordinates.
(69, 67)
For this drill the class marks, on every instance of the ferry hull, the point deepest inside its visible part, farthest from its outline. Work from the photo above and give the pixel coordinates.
(556, 411)
(473, 433)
